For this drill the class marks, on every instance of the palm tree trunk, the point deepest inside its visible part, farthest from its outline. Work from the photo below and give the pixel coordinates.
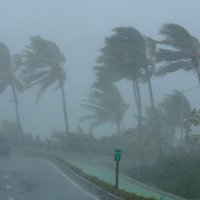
(64, 108)
(139, 106)
(135, 93)
(157, 125)
(198, 72)
(17, 109)
(151, 95)
(138, 102)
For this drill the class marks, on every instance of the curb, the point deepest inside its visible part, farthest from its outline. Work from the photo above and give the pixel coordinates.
(88, 186)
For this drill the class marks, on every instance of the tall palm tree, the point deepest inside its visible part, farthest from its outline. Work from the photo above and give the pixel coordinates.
(8, 78)
(181, 51)
(124, 55)
(106, 105)
(43, 66)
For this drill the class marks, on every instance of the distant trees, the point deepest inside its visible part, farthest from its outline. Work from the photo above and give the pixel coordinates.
(43, 66)
(177, 110)
(105, 104)
(8, 77)
(173, 112)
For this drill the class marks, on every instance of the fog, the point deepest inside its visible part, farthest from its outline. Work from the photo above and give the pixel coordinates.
(79, 29)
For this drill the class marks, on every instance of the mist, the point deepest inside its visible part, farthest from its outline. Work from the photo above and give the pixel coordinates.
(79, 29)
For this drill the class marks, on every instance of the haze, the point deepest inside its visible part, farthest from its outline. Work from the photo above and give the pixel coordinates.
(79, 28)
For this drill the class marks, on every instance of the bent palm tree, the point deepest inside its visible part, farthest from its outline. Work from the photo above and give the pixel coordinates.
(43, 66)
(8, 78)
(124, 56)
(106, 105)
(177, 110)
(182, 51)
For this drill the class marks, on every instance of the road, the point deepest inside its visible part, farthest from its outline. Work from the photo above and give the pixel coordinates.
(27, 178)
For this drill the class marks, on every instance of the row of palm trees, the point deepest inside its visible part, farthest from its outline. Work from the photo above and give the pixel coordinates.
(127, 54)
(40, 64)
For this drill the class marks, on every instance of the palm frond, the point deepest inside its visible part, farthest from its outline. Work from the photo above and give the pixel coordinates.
(177, 37)
(43, 65)
(170, 55)
(45, 83)
(172, 67)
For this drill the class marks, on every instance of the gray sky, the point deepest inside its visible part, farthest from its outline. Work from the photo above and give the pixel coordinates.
(79, 27)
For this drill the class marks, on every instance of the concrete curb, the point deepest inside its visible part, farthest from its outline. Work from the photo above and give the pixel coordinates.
(88, 186)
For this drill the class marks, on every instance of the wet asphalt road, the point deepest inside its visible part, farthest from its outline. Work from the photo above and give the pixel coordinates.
(26, 178)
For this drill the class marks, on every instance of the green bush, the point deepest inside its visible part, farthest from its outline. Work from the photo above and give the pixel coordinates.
(176, 174)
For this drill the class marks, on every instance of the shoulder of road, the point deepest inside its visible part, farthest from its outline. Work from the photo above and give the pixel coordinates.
(92, 165)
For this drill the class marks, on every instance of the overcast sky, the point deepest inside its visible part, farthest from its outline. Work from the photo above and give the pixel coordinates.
(79, 27)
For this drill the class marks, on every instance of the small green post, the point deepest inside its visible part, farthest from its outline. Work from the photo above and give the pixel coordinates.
(117, 175)
(117, 159)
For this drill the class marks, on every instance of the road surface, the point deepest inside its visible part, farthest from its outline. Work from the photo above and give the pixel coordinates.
(26, 178)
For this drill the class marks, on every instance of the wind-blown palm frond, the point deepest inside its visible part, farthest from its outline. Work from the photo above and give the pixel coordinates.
(170, 55)
(43, 53)
(105, 104)
(176, 107)
(124, 52)
(180, 48)
(43, 65)
(6, 74)
(177, 37)
(172, 67)
(8, 77)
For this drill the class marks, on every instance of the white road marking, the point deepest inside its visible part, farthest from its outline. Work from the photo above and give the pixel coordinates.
(8, 187)
(71, 181)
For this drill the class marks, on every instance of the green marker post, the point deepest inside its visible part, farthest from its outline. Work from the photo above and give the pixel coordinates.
(117, 159)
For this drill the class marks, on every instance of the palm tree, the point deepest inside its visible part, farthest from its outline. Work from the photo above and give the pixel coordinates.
(124, 56)
(173, 112)
(150, 67)
(181, 52)
(8, 78)
(177, 110)
(106, 105)
(43, 66)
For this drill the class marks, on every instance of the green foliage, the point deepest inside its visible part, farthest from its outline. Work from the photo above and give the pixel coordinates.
(178, 174)
(7, 71)
(8, 77)
(177, 109)
(124, 53)
(180, 51)
(106, 105)
(195, 117)
(43, 65)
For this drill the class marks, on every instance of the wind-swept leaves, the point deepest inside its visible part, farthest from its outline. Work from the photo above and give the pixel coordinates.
(182, 50)
(43, 63)
(106, 105)
(43, 66)
(8, 77)
(177, 108)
